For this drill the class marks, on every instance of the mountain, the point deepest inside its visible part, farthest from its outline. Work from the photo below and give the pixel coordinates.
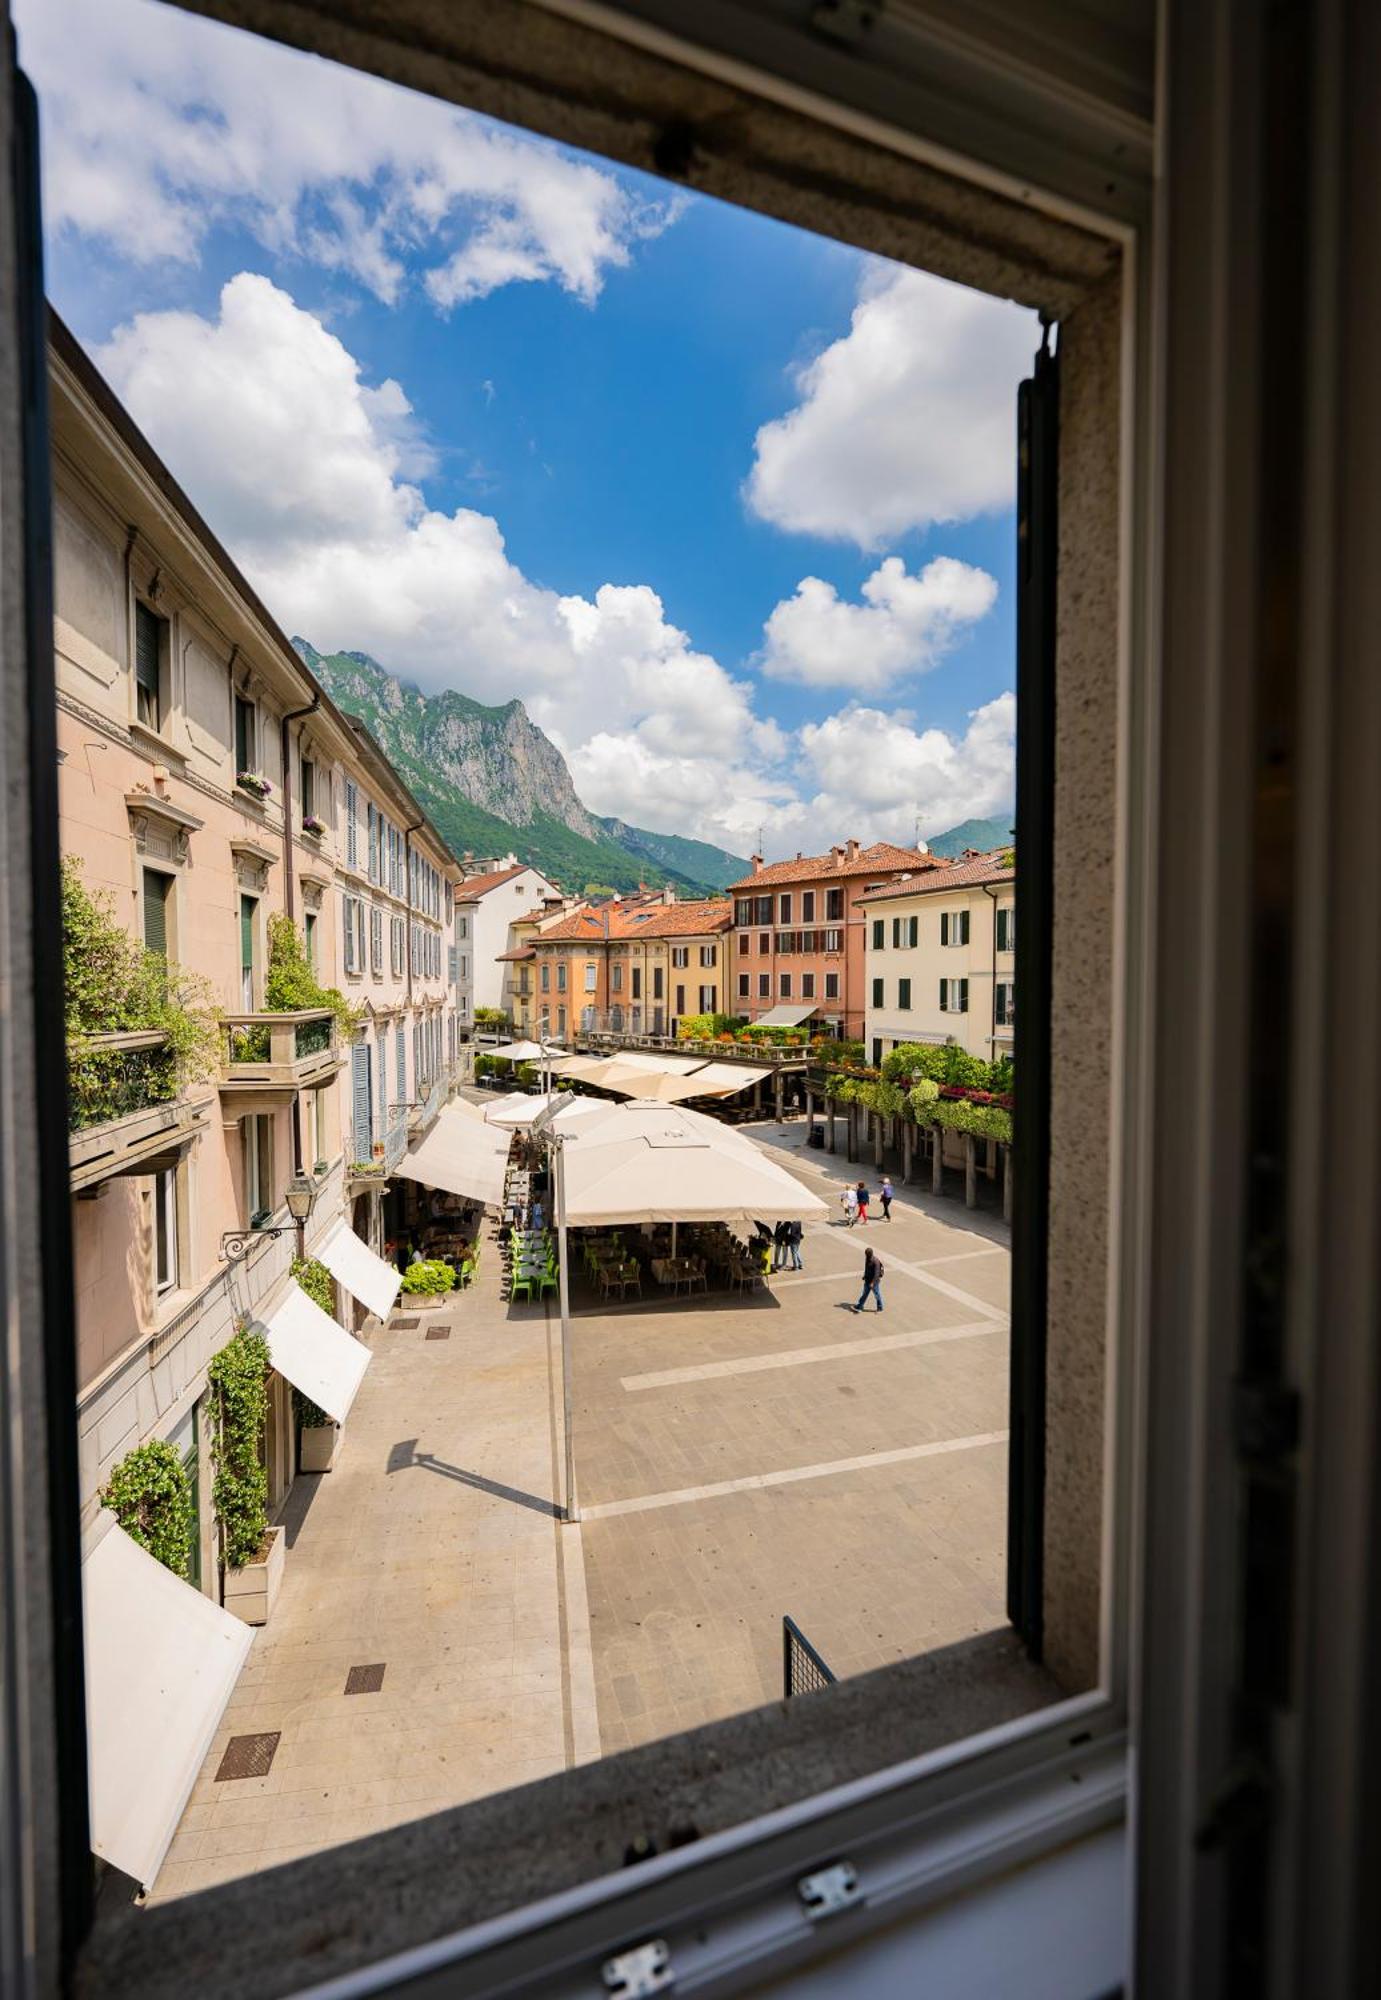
(492, 781)
(983, 835)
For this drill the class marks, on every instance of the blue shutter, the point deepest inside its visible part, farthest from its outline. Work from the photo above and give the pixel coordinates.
(401, 1051)
(359, 1081)
(383, 1083)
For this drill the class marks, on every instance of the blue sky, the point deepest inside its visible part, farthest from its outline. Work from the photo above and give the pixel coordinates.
(728, 506)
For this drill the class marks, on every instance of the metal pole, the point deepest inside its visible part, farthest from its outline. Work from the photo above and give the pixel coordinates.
(559, 1163)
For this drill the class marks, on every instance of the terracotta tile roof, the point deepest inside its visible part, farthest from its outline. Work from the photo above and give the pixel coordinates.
(617, 923)
(676, 920)
(838, 862)
(971, 872)
(480, 885)
(509, 957)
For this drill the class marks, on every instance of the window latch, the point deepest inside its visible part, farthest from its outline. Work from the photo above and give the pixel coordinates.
(829, 1890)
(645, 1968)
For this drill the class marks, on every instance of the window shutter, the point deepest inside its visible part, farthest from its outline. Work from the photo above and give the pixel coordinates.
(944, 926)
(963, 996)
(914, 932)
(146, 652)
(943, 1008)
(348, 911)
(156, 912)
(963, 927)
(896, 933)
(360, 1092)
(400, 1050)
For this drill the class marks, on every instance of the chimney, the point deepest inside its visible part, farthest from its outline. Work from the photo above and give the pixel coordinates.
(851, 850)
(836, 855)
(757, 864)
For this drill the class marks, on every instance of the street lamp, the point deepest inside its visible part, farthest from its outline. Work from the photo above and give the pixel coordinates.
(544, 1127)
(299, 1195)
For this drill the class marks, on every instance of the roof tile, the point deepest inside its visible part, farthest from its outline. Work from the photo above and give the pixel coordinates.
(815, 867)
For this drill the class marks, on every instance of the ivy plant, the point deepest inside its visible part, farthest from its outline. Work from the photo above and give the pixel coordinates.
(150, 1496)
(112, 985)
(238, 1378)
(291, 985)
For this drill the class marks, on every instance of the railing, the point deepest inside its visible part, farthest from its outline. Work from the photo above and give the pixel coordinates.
(803, 1670)
(422, 1111)
(112, 1076)
(283, 1051)
(396, 1137)
(712, 1051)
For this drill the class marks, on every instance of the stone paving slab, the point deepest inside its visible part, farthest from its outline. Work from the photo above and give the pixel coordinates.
(514, 1646)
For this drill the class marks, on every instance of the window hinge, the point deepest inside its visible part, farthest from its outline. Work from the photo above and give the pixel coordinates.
(644, 1968)
(829, 1890)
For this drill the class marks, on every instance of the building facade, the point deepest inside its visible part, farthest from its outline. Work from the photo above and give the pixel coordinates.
(939, 962)
(798, 934)
(490, 903)
(630, 967)
(208, 788)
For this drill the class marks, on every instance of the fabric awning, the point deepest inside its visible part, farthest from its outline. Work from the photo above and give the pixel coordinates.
(784, 1017)
(364, 1275)
(462, 1154)
(654, 1163)
(585, 1067)
(161, 1664)
(518, 1052)
(318, 1357)
(731, 1076)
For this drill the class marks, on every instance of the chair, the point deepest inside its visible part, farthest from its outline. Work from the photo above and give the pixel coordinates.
(630, 1274)
(519, 1284)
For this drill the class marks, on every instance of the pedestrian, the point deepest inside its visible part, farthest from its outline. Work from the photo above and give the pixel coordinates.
(885, 1193)
(861, 1197)
(779, 1245)
(849, 1198)
(872, 1279)
(794, 1232)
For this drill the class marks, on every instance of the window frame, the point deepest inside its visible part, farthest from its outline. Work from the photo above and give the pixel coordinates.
(165, 1203)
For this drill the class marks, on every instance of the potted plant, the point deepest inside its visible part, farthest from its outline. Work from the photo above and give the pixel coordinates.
(318, 1435)
(428, 1276)
(150, 1496)
(311, 824)
(252, 1550)
(253, 782)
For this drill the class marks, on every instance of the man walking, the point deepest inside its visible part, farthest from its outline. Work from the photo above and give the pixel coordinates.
(861, 1197)
(794, 1232)
(779, 1244)
(885, 1195)
(872, 1279)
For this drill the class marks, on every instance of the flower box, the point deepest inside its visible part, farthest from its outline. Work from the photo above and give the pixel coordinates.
(318, 1448)
(254, 783)
(311, 824)
(252, 1592)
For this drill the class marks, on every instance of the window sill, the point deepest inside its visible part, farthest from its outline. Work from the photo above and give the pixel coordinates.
(889, 1736)
(154, 739)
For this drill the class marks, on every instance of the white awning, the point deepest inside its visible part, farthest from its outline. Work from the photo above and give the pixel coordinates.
(784, 1017)
(462, 1154)
(161, 1664)
(318, 1357)
(364, 1275)
(730, 1076)
(654, 1163)
(519, 1052)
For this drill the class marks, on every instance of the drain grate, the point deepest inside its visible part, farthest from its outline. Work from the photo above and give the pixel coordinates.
(438, 1332)
(365, 1680)
(249, 1756)
(405, 1325)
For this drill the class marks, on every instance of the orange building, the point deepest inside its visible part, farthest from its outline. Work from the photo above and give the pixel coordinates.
(631, 968)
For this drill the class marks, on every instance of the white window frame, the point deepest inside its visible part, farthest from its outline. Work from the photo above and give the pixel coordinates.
(165, 1204)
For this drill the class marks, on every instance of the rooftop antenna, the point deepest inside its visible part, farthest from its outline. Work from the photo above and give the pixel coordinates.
(760, 832)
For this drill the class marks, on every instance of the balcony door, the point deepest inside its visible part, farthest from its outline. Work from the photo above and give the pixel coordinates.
(249, 909)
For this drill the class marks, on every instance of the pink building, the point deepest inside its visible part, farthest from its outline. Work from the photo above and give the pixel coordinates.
(799, 937)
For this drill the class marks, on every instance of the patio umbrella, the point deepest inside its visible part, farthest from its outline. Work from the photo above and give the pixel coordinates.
(519, 1052)
(654, 1163)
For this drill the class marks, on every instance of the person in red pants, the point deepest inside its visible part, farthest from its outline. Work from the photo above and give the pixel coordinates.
(861, 1197)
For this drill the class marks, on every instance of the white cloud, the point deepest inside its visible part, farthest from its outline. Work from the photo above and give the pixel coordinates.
(301, 467)
(903, 627)
(908, 420)
(158, 125)
(878, 775)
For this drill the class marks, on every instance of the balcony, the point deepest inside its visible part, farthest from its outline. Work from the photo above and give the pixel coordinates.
(422, 1115)
(269, 1057)
(125, 1115)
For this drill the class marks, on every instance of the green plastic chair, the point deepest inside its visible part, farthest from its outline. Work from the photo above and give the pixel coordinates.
(523, 1285)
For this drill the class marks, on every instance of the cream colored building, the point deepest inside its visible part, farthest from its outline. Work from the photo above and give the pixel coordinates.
(206, 784)
(939, 961)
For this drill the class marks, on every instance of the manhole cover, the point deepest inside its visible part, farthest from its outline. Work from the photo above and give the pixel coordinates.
(438, 1333)
(365, 1680)
(249, 1756)
(406, 1325)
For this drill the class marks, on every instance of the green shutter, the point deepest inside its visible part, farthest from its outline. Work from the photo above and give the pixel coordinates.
(246, 933)
(156, 912)
(146, 660)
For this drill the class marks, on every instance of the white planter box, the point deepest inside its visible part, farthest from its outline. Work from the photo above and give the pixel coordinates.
(317, 1451)
(252, 1592)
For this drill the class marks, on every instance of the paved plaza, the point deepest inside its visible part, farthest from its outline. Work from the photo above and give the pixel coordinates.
(737, 1459)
